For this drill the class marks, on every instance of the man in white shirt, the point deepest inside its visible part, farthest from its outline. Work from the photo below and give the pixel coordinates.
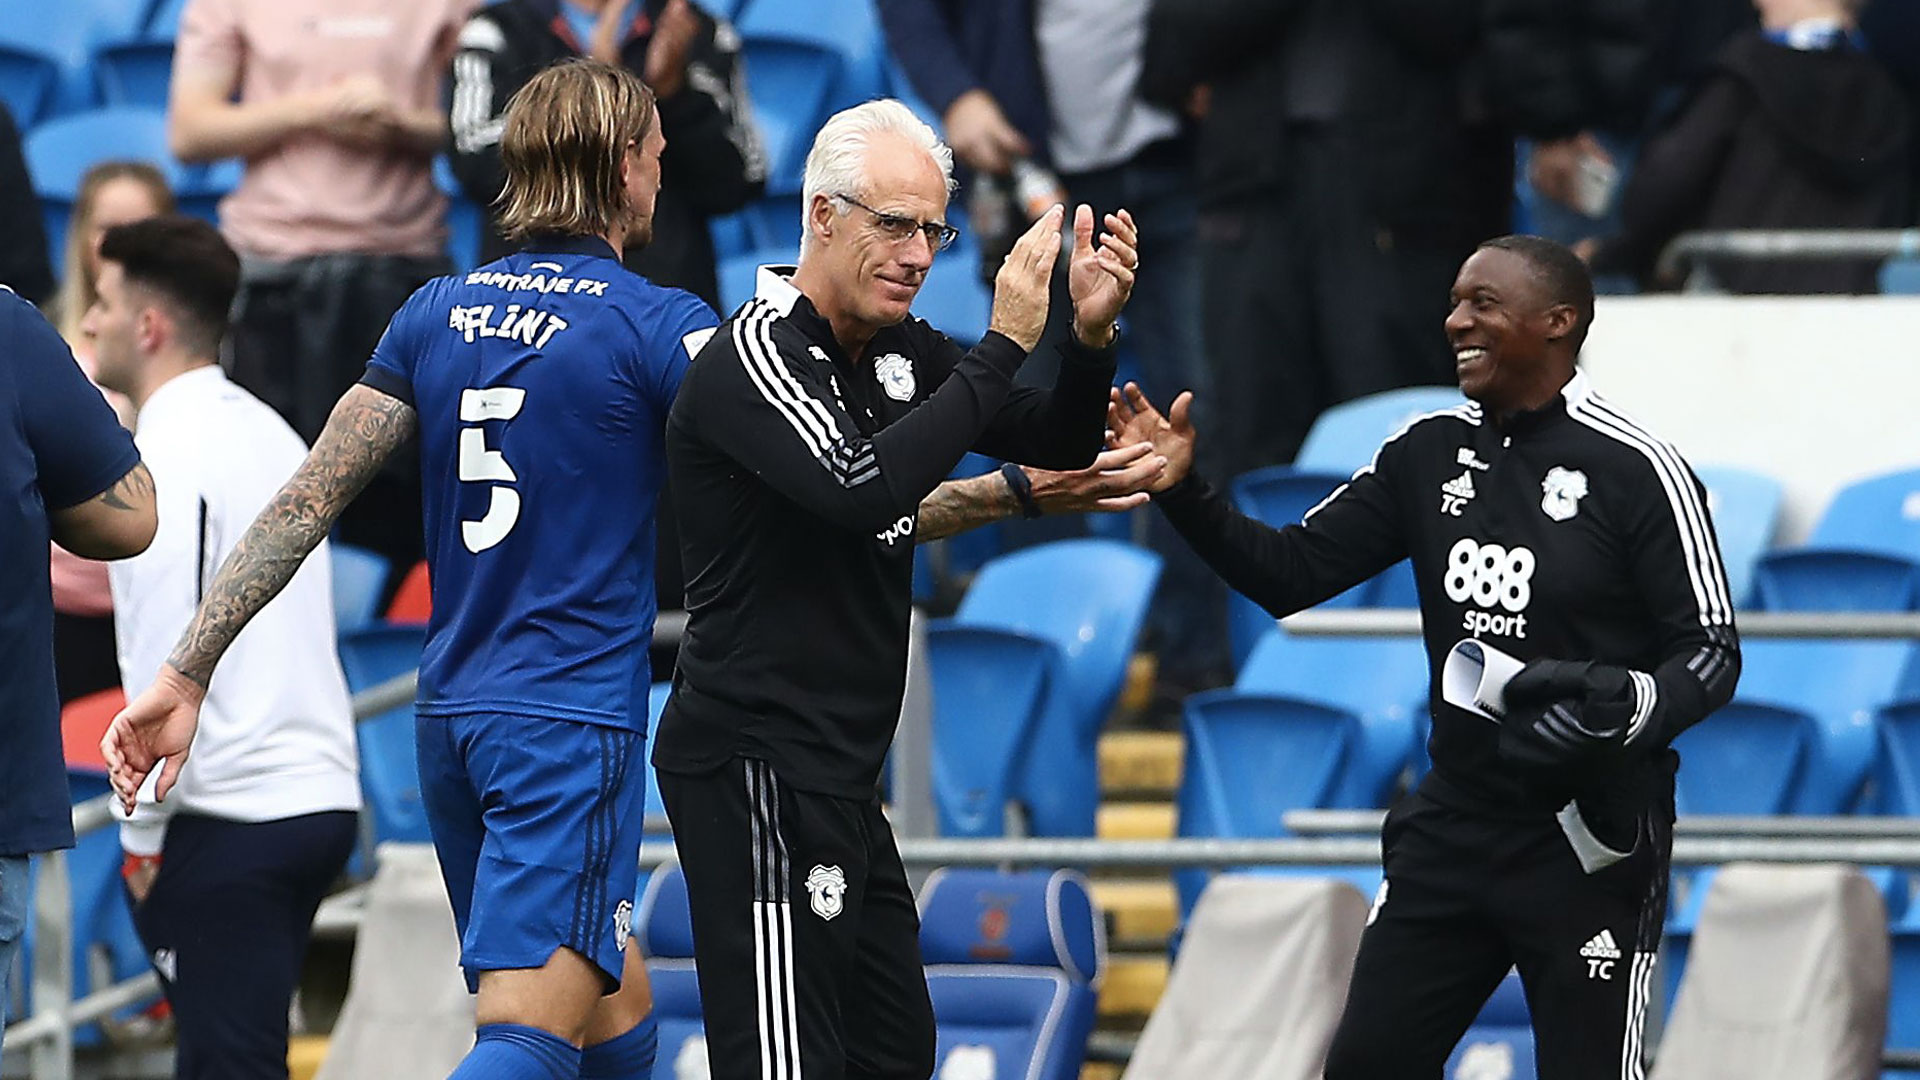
(225, 876)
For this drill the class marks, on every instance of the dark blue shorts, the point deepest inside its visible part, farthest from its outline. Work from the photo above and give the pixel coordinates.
(537, 824)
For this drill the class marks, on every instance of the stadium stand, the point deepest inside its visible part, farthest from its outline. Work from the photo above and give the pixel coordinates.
(1746, 510)
(665, 923)
(1749, 760)
(805, 62)
(389, 769)
(989, 687)
(359, 577)
(413, 600)
(1344, 438)
(1863, 555)
(1279, 495)
(1500, 1042)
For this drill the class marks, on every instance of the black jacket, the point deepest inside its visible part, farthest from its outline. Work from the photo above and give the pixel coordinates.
(1555, 68)
(1569, 534)
(799, 472)
(713, 164)
(23, 237)
(1777, 138)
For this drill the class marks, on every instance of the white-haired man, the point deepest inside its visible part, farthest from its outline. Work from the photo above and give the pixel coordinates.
(800, 447)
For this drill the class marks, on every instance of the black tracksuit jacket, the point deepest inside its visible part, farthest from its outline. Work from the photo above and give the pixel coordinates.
(799, 472)
(1569, 534)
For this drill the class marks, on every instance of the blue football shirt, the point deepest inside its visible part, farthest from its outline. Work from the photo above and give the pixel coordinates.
(59, 446)
(542, 383)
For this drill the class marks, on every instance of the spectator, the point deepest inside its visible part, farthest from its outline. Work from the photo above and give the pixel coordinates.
(23, 235)
(714, 162)
(74, 475)
(224, 877)
(1797, 127)
(337, 221)
(111, 193)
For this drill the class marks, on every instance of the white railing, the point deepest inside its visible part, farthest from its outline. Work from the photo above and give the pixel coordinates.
(1766, 245)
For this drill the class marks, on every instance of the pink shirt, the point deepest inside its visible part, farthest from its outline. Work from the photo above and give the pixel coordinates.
(313, 195)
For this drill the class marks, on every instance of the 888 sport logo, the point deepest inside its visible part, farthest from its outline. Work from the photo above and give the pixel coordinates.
(1497, 580)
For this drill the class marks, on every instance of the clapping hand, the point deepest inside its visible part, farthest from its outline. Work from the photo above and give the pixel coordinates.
(1100, 280)
(1132, 419)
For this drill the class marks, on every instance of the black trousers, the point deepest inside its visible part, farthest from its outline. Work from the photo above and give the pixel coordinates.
(804, 930)
(1467, 897)
(226, 927)
(302, 333)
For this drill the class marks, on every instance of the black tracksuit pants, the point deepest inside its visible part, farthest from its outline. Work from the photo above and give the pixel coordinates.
(805, 932)
(1466, 897)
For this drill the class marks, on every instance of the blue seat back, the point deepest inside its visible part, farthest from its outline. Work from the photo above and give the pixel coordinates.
(1835, 579)
(1880, 513)
(1745, 506)
(138, 72)
(1840, 683)
(65, 35)
(1089, 598)
(1345, 437)
(389, 757)
(359, 577)
(1394, 587)
(989, 687)
(1900, 277)
(29, 80)
(1382, 681)
(665, 925)
(1013, 963)
(60, 152)
(1747, 758)
(952, 299)
(1500, 1040)
(657, 696)
(1279, 495)
(804, 62)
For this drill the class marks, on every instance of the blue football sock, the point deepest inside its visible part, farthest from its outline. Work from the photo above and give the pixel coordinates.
(518, 1052)
(623, 1057)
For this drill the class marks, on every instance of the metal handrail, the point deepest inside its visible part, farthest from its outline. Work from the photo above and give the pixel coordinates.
(1367, 822)
(1785, 244)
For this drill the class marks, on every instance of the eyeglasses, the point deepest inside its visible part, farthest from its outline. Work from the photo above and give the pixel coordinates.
(899, 228)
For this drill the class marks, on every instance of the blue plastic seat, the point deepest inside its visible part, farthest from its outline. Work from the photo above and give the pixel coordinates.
(1382, 681)
(1250, 758)
(1089, 598)
(1344, 438)
(1880, 513)
(804, 62)
(162, 19)
(1500, 1040)
(1835, 579)
(29, 81)
(64, 36)
(389, 758)
(1900, 277)
(60, 152)
(1747, 758)
(657, 696)
(665, 925)
(359, 578)
(137, 72)
(1013, 964)
(1840, 683)
(1746, 509)
(1279, 495)
(952, 299)
(989, 687)
(466, 220)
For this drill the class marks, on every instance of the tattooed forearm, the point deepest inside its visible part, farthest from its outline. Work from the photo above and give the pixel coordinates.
(363, 432)
(132, 492)
(958, 505)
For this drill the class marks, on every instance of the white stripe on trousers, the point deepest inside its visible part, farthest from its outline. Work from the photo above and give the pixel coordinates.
(1638, 991)
(772, 932)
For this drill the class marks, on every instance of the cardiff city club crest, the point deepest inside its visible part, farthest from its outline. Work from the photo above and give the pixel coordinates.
(895, 373)
(1562, 491)
(827, 890)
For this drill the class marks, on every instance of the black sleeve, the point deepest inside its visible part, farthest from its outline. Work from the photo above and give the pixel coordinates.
(23, 235)
(1062, 427)
(1190, 42)
(1438, 31)
(1347, 539)
(921, 41)
(714, 154)
(479, 86)
(1559, 67)
(1675, 176)
(1676, 565)
(774, 414)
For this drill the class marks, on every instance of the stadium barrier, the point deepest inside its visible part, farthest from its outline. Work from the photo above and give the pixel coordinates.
(1687, 249)
(1326, 838)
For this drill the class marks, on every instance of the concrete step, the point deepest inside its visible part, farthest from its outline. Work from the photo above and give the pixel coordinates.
(1135, 821)
(1138, 910)
(1141, 762)
(304, 1055)
(1132, 987)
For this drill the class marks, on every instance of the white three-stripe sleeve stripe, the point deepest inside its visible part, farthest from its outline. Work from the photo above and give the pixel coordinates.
(753, 339)
(1646, 694)
(472, 102)
(1702, 557)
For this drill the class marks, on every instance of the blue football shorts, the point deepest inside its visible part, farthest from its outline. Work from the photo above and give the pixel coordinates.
(537, 824)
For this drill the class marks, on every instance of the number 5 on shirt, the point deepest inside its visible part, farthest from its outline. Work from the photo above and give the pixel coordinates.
(480, 464)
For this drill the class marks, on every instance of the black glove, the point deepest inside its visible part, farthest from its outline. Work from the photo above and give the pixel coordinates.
(1566, 716)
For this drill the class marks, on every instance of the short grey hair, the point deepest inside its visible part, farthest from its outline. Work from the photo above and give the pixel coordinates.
(837, 163)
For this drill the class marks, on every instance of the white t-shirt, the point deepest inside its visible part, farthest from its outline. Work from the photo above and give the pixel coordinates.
(276, 729)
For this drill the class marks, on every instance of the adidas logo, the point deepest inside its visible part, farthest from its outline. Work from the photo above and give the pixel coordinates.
(1601, 947)
(1460, 487)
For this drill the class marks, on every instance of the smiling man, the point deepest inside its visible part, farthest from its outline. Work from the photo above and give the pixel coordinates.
(802, 442)
(1546, 525)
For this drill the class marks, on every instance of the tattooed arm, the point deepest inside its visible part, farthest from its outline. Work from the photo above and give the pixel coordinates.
(364, 430)
(116, 524)
(1117, 480)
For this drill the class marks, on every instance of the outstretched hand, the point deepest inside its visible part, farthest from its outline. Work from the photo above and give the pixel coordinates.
(1101, 279)
(1132, 420)
(1117, 480)
(155, 728)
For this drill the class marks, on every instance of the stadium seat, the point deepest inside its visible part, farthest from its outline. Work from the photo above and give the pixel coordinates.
(1089, 598)
(1500, 1041)
(466, 220)
(1747, 758)
(137, 72)
(1880, 513)
(84, 722)
(665, 925)
(1279, 495)
(59, 153)
(28, 82)
(1899, 764)
(359, 577)
(1903, 1015)
(739, 275)
(413, 600)
(989, 687)
(389, 762)
(163, 19)
(1344, 437)
(1900, 277)
(657, 695)
(64, 37)
(1250, 759)
(952, 298)
(1381, 680)
(1840, 683)
(1394, 587)
(1746, 508)
(1013, 964)
(1835, 579)
(804, 62)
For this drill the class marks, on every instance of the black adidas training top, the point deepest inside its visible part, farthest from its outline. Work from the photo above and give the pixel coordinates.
(797, 472)
(1571, 534)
